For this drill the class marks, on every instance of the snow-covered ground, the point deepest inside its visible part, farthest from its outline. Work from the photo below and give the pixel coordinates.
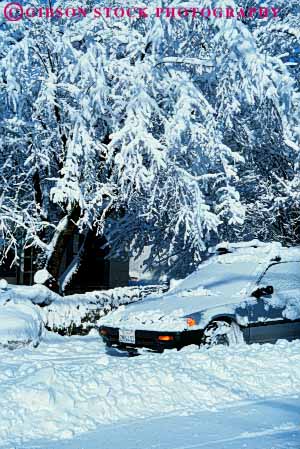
(260, 425)
(70, 389)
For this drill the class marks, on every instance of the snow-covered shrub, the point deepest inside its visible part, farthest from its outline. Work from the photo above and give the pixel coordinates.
(79, 313)
(68, 315)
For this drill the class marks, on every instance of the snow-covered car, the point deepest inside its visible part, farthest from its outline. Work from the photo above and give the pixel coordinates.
(20, 322)
(244, 292)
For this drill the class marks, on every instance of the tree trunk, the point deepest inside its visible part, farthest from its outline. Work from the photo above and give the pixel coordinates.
(61, 239)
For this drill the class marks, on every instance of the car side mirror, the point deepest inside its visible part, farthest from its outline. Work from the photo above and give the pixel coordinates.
(263, 291)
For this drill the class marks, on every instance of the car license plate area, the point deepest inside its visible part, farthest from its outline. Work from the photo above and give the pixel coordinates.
(127, 336)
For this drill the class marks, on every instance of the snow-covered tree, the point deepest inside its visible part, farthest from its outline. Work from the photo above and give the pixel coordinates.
(149, 131)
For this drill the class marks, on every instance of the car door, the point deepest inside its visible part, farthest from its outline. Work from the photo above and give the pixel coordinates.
(275, 316)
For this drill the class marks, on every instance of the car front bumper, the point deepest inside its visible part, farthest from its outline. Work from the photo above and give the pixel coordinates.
(150, 339)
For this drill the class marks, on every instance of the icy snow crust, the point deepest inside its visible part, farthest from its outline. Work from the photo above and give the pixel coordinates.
(216, 288)
(69, 385)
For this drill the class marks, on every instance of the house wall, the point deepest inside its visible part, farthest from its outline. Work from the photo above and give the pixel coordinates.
(8, 272)
(95, 272)
(118, 273)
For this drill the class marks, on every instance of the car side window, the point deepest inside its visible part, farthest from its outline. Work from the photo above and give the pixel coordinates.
(282, 276)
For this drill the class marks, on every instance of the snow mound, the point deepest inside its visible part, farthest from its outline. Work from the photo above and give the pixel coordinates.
(41, 276)
(20, 324)
(70, 385)
(3, 284)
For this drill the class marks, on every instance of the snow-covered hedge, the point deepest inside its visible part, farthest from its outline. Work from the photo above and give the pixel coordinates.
(68, 315)
(37, 294)
(79, 313)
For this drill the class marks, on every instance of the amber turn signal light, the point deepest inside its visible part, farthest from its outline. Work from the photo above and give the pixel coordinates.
(190, 322)
(166, 338)
(103, 332)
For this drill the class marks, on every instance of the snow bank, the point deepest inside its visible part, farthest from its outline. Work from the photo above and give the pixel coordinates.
(70, 385)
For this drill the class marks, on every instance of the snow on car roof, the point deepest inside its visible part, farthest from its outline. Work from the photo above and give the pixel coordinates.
(232, 272)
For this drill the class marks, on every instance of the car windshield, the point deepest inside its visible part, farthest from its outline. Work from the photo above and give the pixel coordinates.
(282, 276)
(221, 278)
